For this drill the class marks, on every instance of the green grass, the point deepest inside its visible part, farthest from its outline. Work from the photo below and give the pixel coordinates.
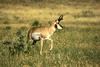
(73, 46)
(77, 45)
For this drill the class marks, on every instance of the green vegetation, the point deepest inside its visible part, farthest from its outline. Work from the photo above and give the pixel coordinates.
(77, 45)
(73, 46)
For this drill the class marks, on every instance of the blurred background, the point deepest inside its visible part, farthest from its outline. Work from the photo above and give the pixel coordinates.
(77, 45)
(26, 11)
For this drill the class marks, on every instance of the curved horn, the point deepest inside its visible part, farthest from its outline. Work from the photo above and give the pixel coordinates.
(60, 18)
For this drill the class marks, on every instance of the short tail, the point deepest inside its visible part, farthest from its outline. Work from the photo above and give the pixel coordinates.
(29, 36)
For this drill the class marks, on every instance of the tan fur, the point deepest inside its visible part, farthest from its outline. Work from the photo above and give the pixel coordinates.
(43, 33)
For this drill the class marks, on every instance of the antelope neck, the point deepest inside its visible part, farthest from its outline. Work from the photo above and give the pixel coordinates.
(53, 27)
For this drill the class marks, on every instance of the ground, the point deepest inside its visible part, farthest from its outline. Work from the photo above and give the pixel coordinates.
(76, 45)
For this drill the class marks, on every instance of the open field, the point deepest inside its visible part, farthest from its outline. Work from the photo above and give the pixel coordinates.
(77, 45)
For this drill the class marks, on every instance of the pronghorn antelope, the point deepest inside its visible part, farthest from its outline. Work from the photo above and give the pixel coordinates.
(43, 33)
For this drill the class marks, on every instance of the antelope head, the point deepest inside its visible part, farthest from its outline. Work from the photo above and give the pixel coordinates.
(57, 22)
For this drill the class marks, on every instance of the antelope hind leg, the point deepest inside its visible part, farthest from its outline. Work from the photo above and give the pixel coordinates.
(41, 46)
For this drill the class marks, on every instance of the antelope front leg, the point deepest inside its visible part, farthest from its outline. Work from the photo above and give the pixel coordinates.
(41, 46)
(51, 44)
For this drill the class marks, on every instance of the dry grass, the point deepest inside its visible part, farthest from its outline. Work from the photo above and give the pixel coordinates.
(77, 45)
(25, 14)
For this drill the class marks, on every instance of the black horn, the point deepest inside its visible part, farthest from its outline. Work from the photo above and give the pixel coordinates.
(60, 18)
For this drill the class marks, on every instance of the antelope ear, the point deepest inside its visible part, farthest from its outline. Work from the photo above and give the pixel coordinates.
(60, 18)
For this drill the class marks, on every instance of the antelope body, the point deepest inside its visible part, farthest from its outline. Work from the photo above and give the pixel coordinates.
(43, 33)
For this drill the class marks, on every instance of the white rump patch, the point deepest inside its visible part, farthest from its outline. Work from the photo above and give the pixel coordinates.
(36, 36)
